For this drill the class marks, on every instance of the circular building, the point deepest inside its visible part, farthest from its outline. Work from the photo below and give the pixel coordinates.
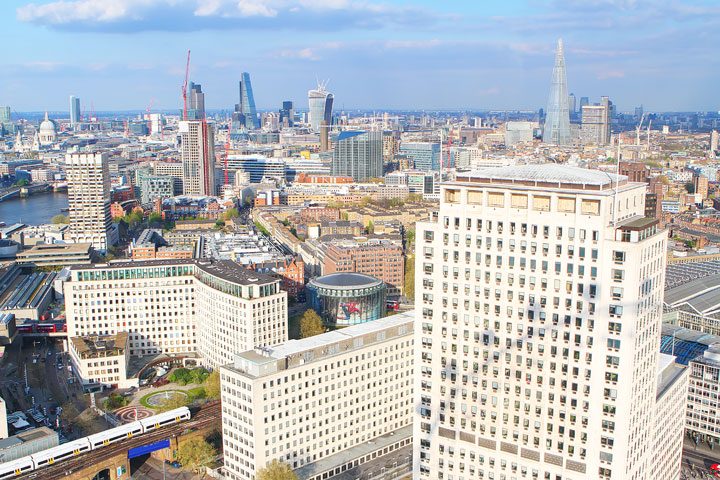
(343, 299)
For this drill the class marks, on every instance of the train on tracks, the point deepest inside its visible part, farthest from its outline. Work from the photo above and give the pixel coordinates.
(44, 458)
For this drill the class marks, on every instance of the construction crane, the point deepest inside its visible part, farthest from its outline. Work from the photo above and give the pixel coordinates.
(127, 130)
(92, 112)
(152, 100)
(637, 130)
(184, 87)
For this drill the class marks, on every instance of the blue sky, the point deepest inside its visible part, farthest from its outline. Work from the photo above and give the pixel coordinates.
(378, 54)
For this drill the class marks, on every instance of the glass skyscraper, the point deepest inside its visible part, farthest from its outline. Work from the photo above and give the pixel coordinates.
(425, 155)
(557, 120)
(246, 109)
(74, 111)
(358, 155)
(320, 103)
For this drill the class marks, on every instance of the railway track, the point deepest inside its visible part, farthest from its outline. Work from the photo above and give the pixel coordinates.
(203, 417)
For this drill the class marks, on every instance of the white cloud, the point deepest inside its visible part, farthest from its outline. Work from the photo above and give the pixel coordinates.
(194, 14)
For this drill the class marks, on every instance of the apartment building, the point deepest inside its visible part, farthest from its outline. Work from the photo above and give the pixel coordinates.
(319, 403)
(541, 291)
(381, 259)
(89, 200)
(180, 306)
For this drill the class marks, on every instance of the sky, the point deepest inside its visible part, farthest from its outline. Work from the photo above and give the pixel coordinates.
(377, 54)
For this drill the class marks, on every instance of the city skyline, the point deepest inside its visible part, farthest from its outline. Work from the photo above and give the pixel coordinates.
(378, 55)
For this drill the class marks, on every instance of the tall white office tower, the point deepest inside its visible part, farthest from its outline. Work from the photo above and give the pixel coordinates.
(198, 157)
(89, 200)
(540, 290)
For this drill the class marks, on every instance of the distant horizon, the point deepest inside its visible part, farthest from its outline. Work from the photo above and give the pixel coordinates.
(405, 55)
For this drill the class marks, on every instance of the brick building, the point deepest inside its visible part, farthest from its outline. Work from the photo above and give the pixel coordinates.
(291, 274)
(382, 260)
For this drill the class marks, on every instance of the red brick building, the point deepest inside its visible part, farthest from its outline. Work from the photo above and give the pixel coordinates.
(291, 274)
(381, 260)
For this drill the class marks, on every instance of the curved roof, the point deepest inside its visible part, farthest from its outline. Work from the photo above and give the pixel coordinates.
(549, 172)
(346, 280)
(702, 295)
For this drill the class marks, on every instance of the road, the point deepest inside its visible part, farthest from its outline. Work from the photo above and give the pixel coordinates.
(205, 416)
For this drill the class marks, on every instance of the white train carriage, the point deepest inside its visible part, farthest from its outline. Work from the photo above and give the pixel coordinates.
(15, 468)
(162, 419)
(61, 452)
(117, 434)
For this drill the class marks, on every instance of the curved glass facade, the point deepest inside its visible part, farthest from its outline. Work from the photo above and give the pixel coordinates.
(347, 306)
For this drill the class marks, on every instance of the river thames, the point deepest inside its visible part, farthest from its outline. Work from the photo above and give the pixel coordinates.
(33, 210)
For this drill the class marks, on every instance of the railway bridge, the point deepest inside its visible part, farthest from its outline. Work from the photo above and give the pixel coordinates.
(113, 462)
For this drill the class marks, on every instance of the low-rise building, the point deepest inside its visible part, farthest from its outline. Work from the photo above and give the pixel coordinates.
(101, 361)
(27, 442)
(57, 254)
(317, 403)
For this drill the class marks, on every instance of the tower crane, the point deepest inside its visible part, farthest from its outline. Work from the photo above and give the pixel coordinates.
(637, 130)
(152, 100)
(184, 87)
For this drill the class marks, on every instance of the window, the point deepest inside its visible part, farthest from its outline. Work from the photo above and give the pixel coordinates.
(566, 205)
(590, 207)
(475, 197)
(496, 199)
(541, 203)
(519, 201)
(452, 196)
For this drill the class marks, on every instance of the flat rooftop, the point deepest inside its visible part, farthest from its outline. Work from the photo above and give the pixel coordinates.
(545, 175)
(346, 280)
(56, 249)
(223, 269)
(350, 454)
(294, 349)
(95, 344)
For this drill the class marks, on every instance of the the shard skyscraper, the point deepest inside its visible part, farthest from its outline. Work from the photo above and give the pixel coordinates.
(557, 119)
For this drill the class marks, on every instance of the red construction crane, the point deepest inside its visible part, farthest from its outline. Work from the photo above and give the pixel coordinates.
(152, 100)
(184, 87)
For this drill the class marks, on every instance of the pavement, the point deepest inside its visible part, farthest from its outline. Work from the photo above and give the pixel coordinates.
(153, 469)
(697, 460)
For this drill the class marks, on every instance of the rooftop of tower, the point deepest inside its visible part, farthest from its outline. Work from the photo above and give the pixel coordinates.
(546, 175)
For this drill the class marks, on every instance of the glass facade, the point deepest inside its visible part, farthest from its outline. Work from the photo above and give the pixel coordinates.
(557, 121)
(342, 307)
(247, 103)
(320, 104)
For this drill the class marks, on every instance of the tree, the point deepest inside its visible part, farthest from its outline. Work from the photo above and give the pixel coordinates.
(22, 182)
(230, 213)
(154, 218)
(60, 218)
(690, 187)
(409, 280)
(276, 470)
(195, 454)
(310, 324)
(69, 413)
(212, 385)
(176, 401)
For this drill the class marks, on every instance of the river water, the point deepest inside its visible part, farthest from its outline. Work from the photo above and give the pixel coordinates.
(33, 210)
